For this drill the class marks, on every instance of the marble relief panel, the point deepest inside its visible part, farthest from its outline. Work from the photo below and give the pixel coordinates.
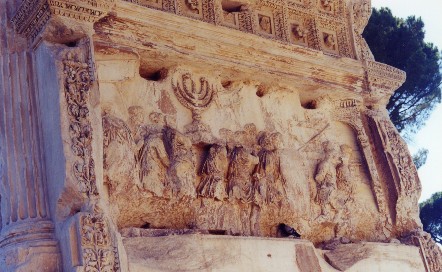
(181, 151)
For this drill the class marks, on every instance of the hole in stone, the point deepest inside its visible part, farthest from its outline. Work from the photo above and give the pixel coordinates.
(226, 84)
(71, 44)
(231, 6)
(145, 226)
(310, 105)
(260, 93)
(217, 232)
(153, 74)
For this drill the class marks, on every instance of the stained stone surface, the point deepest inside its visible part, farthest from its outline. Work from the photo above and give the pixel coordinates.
(223, 253)
(194, 134)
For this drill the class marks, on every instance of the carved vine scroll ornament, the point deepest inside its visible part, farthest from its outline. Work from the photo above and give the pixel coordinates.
(77, 87)
(97, 249)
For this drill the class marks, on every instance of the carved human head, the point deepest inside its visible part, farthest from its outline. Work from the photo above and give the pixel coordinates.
(329, 40)
(226, 134)
(326, 4)
(250, 128)
(298, 31)
(345, 149)
(192, 4)
(276, 140)
(136, 115)
(156, 117)
(170, 121)
(265, 24)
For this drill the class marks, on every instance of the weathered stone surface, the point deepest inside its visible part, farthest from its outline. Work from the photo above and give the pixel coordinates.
(375, 257)
(306, 258)
(175, 117)
(198, 252)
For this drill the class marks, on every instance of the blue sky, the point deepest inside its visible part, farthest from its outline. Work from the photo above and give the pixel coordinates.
(430, 136)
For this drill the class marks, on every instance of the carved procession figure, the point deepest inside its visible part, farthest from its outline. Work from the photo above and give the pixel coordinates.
(269, 181)
(326, 180)
(154, 160)
(240, 182)
(182, 172)
(118, 158)
(241, 189)
(344, 182)
(213, 184)
(135, 124)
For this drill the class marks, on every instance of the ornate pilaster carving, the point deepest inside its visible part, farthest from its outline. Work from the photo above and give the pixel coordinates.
(97, 249)
(91, 243)
(406, 183)
(76, 90)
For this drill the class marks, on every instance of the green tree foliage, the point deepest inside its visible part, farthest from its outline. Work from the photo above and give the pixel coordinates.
(431, 216)
(420, 158)
(400, 43)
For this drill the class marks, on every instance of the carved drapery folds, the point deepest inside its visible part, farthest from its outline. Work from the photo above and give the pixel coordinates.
(245, 170)
(325, 178)
(213, 172)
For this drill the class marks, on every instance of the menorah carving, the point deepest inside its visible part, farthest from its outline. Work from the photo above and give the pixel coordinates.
(195, 95)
